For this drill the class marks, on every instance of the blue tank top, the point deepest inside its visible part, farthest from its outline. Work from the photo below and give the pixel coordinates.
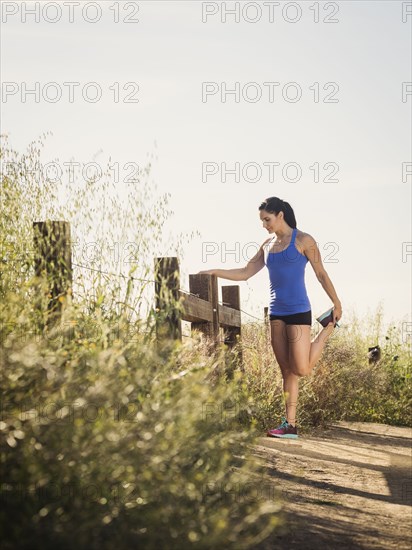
(287, 280)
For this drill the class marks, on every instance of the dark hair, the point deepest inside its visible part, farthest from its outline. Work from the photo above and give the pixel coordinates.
(274, 205)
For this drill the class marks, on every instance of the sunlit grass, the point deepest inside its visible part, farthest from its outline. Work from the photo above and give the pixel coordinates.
(109, 440)
(343, 385)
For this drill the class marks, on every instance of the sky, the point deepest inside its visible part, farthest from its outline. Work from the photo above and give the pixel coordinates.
(307, 101)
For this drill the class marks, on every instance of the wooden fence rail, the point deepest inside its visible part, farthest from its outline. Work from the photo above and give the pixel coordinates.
(201, 307)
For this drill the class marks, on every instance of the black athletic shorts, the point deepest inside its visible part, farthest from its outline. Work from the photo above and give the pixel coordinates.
(295, 319)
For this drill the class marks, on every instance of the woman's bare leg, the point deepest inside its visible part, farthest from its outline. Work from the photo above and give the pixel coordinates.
(290, 342)
(304, 354)
(318, 344)
(291, 390)
(280, 347)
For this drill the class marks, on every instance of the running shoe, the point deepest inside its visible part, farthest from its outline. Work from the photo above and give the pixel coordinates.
(327, 318)
(285, 430)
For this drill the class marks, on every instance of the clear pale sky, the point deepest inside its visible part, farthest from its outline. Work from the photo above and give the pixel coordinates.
(362, 222)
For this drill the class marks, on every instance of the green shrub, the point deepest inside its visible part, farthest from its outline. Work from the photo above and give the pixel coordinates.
(114, 447)
(109, 440)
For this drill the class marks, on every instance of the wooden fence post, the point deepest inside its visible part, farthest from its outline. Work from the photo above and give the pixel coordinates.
(167, 283)
(231, 298)
(53, 260)
(205, 286)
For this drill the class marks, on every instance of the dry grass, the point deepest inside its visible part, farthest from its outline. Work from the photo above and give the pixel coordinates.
(343, 385)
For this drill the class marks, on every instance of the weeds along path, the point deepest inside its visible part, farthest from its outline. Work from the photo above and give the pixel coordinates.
(349, 486)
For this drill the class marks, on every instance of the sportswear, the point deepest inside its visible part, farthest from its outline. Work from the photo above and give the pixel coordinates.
(304, 318)
(285, 430)
(287, 280)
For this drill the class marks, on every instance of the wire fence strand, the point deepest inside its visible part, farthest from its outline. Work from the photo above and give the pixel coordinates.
(130, 277)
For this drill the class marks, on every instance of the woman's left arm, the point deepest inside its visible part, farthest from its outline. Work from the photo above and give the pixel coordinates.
(311, 251)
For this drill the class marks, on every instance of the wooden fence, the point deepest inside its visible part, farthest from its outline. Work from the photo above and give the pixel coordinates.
(200, 305)
(53, 262)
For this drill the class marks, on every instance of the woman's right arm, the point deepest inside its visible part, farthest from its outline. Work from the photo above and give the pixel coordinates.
(244, 273)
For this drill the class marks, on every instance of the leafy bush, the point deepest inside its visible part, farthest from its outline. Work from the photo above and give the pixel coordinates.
(110, 440)
(114, 446)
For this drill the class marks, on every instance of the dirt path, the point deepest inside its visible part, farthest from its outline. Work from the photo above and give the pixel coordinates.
(349, 486)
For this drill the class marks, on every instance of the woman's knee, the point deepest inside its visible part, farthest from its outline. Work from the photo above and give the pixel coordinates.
(299, 351)
(300, 370)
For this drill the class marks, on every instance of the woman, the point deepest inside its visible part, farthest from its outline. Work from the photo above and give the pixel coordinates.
(286, 255)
